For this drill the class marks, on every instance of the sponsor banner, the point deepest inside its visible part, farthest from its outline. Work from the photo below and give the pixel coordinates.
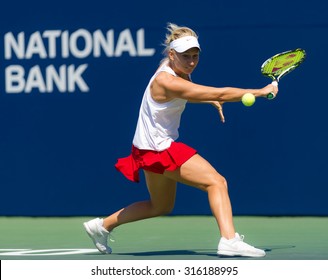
(53, 48)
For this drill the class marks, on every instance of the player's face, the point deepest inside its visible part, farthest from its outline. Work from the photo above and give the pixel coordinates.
(186, 62)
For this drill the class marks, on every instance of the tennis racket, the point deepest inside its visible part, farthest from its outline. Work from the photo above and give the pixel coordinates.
(281, 64)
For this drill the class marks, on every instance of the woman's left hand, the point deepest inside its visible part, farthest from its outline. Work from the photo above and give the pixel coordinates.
(219, 107)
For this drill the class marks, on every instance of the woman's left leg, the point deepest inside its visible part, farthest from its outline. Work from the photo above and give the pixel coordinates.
(198, 172)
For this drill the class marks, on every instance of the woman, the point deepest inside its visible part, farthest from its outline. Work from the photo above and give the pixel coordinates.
(165, 161)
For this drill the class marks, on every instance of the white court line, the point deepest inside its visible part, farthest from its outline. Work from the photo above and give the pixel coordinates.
(45, 252)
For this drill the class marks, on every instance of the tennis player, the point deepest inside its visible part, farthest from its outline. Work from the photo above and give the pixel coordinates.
(166, 161)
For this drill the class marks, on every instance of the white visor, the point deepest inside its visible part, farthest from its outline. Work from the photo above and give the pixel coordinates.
(184, 43)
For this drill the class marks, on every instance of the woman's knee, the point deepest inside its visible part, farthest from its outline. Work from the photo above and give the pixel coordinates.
(162, 210)
(167, 210)
(218, 181)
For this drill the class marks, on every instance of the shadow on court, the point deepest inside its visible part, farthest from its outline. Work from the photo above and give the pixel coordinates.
(283, 247)
(170, 253)
(198, 252)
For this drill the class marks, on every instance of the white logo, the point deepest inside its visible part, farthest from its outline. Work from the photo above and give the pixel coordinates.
(57, 47)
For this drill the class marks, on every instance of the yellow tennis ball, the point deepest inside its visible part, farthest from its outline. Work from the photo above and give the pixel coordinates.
(248, 99)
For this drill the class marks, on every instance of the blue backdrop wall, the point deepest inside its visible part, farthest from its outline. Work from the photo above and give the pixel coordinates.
(72, 75)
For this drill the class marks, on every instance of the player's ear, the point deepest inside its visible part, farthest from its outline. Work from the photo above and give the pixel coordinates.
(171, 54)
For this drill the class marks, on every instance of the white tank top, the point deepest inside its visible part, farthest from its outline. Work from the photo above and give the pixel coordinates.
(158, 123)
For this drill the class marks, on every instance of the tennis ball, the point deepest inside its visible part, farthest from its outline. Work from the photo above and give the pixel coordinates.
(248, 99)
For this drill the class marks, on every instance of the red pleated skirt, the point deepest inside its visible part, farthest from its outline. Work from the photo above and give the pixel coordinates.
(154, 161)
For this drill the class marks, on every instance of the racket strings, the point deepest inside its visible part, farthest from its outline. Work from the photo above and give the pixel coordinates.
(283, 63)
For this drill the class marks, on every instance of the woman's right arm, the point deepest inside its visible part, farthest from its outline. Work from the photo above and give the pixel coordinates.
(166, 87)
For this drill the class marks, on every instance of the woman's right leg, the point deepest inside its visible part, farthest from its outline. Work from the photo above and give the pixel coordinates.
(162, 198)
(162, 192)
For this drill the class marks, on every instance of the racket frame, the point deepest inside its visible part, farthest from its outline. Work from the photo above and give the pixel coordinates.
(277, 77)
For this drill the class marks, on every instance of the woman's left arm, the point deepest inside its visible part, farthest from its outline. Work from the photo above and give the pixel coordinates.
(217, 105)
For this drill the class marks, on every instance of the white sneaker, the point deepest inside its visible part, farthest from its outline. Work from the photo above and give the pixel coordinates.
(237, 247)
(98, 234)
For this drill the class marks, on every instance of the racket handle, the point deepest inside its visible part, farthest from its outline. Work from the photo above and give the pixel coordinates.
(271, 95)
